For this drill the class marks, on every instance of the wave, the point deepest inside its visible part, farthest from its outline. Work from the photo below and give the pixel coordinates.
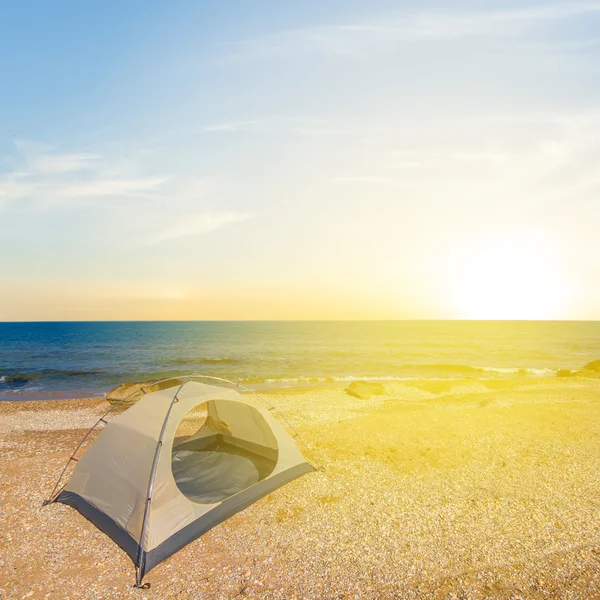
(465, 370)
(24, 378)
(545, 372)
(414, 372)
(472, 370)
(19, 378)
(226, 360)
(460, 370)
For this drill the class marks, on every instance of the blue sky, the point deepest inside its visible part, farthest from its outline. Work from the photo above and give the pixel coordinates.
(307, 160)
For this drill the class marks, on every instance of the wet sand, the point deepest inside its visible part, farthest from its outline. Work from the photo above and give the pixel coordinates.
(437, 489)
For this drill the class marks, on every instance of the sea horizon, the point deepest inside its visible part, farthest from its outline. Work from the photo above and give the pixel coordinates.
(305, 321)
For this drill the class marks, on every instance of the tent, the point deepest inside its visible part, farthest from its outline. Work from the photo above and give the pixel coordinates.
(154, 488)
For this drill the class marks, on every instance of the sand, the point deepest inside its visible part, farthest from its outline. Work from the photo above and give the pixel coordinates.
(461, 489)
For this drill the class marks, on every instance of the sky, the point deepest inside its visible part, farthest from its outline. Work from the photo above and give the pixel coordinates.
(278, 160)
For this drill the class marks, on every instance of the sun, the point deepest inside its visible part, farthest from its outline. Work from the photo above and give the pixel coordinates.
(511, 276)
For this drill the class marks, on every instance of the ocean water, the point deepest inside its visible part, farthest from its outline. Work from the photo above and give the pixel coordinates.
(40, 360)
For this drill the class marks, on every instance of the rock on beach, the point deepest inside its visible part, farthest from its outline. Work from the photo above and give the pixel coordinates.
(364, 389)
(137, 389)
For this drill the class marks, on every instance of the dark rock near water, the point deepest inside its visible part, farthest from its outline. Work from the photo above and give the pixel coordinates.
(591, 370)
(134, 389)
(364, 389)
(593, 366)
(565, 373)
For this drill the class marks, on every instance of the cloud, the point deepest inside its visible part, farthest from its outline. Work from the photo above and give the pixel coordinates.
(42, 158)
(47, 178)
(355, 40)
(480, 156)
(112, 187)
(63, 163)
(232, 126)
(68, 193)
(274, 125)
(368, 179)
(194, 225)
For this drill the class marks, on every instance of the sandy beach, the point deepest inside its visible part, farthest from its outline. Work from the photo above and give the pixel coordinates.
(436, 489)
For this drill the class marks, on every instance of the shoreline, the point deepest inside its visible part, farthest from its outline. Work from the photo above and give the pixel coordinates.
(435, 386)
(280, 386)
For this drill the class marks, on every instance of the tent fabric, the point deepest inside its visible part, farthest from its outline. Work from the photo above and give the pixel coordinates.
(238, 455)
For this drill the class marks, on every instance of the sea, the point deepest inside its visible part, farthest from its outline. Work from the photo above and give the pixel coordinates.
(85, 359)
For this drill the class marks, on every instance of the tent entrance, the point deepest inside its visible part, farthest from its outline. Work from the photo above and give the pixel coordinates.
(210, 470)
(220, 449)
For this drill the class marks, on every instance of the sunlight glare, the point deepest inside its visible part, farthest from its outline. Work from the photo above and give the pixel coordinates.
(513, 276)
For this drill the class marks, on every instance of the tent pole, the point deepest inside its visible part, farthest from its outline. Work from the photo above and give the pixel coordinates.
(140, 559)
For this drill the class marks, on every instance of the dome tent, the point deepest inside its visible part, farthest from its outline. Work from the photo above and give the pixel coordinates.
(153, 492)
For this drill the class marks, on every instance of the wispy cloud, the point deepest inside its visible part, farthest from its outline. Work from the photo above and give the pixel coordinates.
(368, 179)
(480, 156)
(232, 126)
(43, 158)
(193, 225)
(63, 163)
(275, 125)
(151, 208)
(49, 178)
(348, 39)
(20, 186)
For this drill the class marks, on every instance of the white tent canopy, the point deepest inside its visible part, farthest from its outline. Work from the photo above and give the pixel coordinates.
(153, 491)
